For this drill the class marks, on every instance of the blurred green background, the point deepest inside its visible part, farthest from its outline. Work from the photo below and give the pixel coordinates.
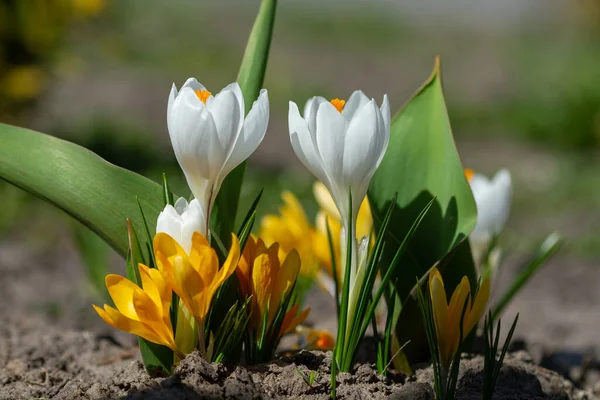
(522, 81)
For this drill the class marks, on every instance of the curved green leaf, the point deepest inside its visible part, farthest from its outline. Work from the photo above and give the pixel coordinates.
(250, 78)
(422, 163)
(99, 194)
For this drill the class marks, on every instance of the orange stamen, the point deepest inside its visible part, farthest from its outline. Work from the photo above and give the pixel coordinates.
(203, 95)
(338, 104)
(469, 173)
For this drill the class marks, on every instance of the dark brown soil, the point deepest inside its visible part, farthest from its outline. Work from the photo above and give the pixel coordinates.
(45, 362)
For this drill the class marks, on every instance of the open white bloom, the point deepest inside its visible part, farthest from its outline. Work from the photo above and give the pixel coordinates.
(210, 135)
(181, 221)
(493, 200)
(342, 144)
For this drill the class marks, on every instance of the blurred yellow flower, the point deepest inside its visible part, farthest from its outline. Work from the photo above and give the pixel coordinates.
(314, 339)
(329, 214)
(87, 8)
(194, 278)
(23, 82)
(142, 312)
(447, 316)
(268, 280)
(292, 230)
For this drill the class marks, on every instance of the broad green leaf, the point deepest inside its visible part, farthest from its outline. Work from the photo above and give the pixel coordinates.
(422, 163)
(250, 78)
(98, 194)
(94, 253)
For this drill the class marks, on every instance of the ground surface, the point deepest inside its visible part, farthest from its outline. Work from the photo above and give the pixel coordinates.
(46, 362)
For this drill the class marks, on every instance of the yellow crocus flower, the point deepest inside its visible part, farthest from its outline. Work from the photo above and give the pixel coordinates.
(447, 316)
(264, 277)
(292, 230)
(142, 312)
(195, 278)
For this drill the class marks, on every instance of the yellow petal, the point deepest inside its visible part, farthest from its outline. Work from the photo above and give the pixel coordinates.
(148, 285)
(188, 285)
(291, 320)
(117, 320)
(364, 220)
(151, 316)
(479, 305)
(164, 289)
(230, 263)
(262, 282)
(457, 303)
(168, 246)
(325, 200)
(284, 280)
(440, 310)
(198, 242)
(121, 291)
(205, 262)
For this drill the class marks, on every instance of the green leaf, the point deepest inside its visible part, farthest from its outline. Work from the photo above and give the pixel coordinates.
(250, 78)
(98, 194)
(422, 163)
(95, 254)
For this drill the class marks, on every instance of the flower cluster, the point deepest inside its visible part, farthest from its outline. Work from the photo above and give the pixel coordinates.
(342, 144)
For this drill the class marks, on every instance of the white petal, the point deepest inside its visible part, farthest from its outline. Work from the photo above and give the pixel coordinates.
(195, 150)
(330, 137)
(193, 84)
(362, 149)
(385, 113)
(253, 132)
(493, 204)
(310, 112)
(383, 128)
(225, 110)
(169, 222)
(172, 96)
(181, 205)
(303, 143)
(356, 101)
(193, 221)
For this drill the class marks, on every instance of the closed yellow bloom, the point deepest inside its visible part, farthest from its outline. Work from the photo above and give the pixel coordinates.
(264, 277)
(194, 278)
(292, 230)
(142, 312)
(447, 316)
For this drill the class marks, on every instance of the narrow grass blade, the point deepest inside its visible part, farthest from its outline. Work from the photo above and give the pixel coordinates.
(546, 250)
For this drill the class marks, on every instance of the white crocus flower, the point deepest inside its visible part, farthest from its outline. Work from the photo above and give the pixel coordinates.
(181, 221)
(342, 144)
(493, 200)
(210, 135)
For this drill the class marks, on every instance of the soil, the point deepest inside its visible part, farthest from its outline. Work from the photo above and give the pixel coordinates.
(41, 362)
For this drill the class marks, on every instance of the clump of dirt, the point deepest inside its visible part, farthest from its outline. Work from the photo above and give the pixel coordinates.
(56, 364)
